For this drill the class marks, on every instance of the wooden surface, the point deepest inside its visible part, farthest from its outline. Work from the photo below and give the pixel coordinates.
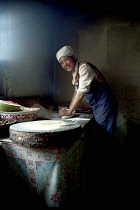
(39, 133)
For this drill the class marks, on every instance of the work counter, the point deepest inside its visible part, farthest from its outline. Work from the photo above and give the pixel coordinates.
(50, 172)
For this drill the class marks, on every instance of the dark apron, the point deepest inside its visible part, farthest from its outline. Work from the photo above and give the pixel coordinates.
(103, 104)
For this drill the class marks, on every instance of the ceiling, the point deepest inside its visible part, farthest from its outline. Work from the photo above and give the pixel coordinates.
(89, 7)
(128, 8)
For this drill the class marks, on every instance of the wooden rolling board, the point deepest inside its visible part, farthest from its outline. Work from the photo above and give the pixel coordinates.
(41, 133)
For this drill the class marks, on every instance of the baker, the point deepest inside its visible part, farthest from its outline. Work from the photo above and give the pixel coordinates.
(90, 84)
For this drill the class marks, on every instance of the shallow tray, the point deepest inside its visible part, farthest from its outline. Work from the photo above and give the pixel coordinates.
(25, 114)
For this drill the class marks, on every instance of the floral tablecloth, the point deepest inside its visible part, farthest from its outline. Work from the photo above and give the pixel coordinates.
(50, 172)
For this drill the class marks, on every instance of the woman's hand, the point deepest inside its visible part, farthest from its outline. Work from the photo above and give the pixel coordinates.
(73, 105)
(64, 112)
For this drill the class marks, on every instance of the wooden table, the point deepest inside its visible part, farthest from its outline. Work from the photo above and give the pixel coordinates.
(52, 170)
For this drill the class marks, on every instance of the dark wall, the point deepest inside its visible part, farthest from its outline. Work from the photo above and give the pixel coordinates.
(112, 43)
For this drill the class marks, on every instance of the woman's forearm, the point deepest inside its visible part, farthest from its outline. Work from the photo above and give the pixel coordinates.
(72, 99)
(73, 105)
(75, 102)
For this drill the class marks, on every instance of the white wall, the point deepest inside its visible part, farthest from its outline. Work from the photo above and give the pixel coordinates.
(26, 53)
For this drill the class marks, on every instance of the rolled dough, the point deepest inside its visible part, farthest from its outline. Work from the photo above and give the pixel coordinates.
(44, 126)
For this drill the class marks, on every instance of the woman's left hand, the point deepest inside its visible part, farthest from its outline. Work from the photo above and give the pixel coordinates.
(64, 112)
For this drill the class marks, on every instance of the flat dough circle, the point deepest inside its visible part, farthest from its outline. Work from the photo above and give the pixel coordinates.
(44, 126)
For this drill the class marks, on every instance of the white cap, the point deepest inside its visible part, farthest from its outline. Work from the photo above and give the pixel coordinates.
(64, 51)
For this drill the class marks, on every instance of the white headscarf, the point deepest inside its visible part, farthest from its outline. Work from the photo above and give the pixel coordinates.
(64, 51)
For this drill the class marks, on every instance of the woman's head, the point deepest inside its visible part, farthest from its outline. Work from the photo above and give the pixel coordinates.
(66, 58)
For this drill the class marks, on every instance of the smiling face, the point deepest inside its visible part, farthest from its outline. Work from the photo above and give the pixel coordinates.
(68, 62)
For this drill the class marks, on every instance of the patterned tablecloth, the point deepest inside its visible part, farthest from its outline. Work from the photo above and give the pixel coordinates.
(50, 172)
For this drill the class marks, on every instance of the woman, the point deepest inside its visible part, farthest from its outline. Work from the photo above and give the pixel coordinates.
(91, 84)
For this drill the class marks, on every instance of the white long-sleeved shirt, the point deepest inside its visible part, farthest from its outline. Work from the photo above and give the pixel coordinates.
(82, 76)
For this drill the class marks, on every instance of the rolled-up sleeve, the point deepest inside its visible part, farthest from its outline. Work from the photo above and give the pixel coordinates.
(86, 76)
